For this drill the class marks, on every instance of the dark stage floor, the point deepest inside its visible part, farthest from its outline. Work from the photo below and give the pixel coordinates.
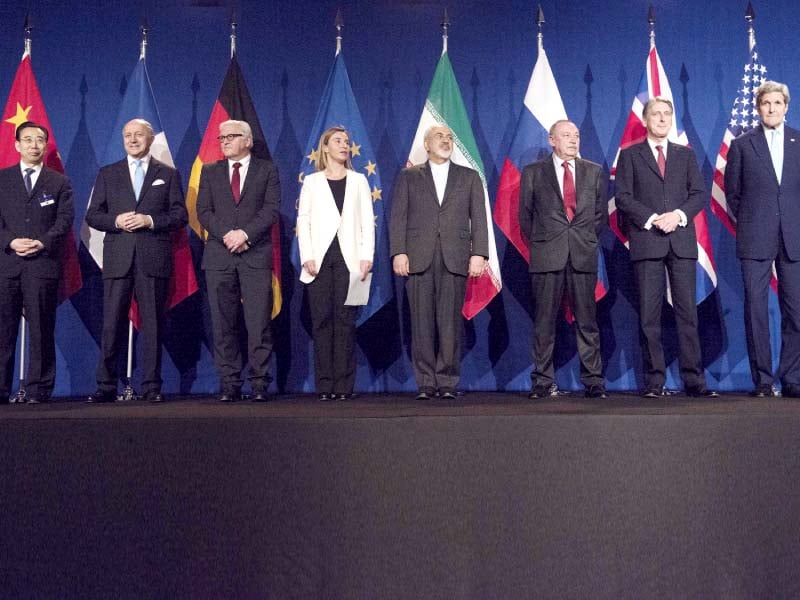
(488, 496)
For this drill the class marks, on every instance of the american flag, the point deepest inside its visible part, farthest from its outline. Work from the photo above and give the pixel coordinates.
(653, 83)
(744, 116)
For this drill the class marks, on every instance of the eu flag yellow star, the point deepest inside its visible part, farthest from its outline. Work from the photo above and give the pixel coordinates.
(21, 116)
(376, 193)
(370, 168)
(312, 158)
(300, 177)
(355, 149)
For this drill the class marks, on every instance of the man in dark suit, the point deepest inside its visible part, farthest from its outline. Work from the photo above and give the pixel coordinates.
(762, 187)
(659, 192)
(35, 214)
(438, 237)
(562, 209)
(237, 204)
(137, 202)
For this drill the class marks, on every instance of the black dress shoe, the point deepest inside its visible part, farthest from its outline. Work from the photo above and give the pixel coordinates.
(154, 397)
(700, 391)
(38, 399)
(446, 394)
(543, 391)
(259, 396)
(230, 396)
(342, 397)
(653, 392)
(790, 390)
(595, 390)
(102, 397)
(325, 397)
(425, 394)
(763, 390)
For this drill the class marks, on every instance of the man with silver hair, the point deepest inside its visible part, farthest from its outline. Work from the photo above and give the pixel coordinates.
(438, 237)
(762, 188)
(237, 204)
(137, 202)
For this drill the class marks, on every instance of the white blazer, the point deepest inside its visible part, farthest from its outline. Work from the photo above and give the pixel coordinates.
(318, 221)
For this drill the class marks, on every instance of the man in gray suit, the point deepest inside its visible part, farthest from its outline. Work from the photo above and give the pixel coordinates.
(439, 236)
(562, 209)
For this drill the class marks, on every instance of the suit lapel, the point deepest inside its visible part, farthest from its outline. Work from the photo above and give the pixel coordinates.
(149, 177)
(760, 146)
(791, 138)
(647, 155)
(252, 171)
(428, 177)
(40, 181)
(552, 178)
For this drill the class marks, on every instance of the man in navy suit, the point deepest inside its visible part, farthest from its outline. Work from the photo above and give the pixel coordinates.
(562, 209)
(237, 204)
(35, 214)
(659, 192)
(137, 202)
(762, 187)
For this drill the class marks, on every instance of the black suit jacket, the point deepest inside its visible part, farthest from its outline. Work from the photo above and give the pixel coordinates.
(255, 214)
(766, 211)
(46, 215)
(552, 239)
(417, 219)
(161, 198)
(642, 192)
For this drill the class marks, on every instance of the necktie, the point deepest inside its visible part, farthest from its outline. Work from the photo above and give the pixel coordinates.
(776, 152)
(569, 192)
(28, 180)
(662, 160)
(138, 178)
(236, 186)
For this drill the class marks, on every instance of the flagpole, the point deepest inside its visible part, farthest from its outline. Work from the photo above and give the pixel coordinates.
(128, 393)
(539, 23)
(234, 25)
(339, 26)
(23, 324)
(651, 21)
(750, 16)
(445, 26)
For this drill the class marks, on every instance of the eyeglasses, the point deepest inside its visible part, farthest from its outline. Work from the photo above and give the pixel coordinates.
(230, 137)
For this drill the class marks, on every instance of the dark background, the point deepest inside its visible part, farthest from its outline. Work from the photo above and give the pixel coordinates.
(83, 53)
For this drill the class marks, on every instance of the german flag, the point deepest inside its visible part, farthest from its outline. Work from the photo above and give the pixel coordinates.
(234, 102)
(25, 104)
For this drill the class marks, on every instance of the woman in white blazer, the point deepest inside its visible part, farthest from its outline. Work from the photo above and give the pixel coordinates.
(336, 235)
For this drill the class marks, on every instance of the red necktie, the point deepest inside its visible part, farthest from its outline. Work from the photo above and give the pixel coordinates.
(662, 160)
(569, 192)
(236, 187)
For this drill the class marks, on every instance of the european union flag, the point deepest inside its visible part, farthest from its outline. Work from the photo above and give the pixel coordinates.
(338, 107)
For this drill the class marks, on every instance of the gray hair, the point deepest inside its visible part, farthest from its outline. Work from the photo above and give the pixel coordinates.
(146, 125)
(243, 125)
(654, 100)
(772, 86)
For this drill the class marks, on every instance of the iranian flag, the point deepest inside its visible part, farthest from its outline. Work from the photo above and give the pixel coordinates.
(444, 106)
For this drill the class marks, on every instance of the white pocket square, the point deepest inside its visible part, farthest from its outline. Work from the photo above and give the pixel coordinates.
(159, 182)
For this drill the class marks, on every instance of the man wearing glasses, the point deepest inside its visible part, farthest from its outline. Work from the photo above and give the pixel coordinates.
(35, 215)
(137, 202)
(237, 204)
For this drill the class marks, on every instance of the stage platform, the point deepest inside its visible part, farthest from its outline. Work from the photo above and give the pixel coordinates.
(488, 496)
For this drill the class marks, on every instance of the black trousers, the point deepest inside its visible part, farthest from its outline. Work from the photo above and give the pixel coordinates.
(435, 297)
(333, 325)
(151, 296)
(548, 291)
(243, 290)
(651, 281)
(39, 298)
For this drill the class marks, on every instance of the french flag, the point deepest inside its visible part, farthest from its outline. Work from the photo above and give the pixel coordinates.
(654, 83)
(541, 108)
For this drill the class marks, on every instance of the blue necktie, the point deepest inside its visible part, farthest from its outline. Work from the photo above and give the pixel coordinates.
(28, 180)
(138, 179)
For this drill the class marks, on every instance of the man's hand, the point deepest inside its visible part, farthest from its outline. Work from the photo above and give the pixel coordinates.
(26, 246)
(131, 221)
(400, 265)
(311, 267)
(235, 241)
(667, 222)
(476, 266)
(366, 267)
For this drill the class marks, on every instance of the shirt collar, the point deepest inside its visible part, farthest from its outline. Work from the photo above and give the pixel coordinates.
(145, 160)
(558, 162)
(36, 168)
(779, 128)
(242, 161)
(653, 144)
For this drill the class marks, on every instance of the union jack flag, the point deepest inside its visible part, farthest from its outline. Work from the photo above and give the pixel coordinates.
(654, 83)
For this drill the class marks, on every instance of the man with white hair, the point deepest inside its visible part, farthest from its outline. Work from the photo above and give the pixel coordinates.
(137, 202)
(438, 237)
(237, 204)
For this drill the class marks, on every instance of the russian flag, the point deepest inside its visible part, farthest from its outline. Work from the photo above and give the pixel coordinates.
(654, 83)
(541, 108)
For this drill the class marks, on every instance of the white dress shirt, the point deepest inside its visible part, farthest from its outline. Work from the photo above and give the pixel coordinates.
(558, 163)
(244, 164)
(440, 173)
(37, 169)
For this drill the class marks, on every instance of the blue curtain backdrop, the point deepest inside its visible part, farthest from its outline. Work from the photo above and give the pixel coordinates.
(83, 53)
